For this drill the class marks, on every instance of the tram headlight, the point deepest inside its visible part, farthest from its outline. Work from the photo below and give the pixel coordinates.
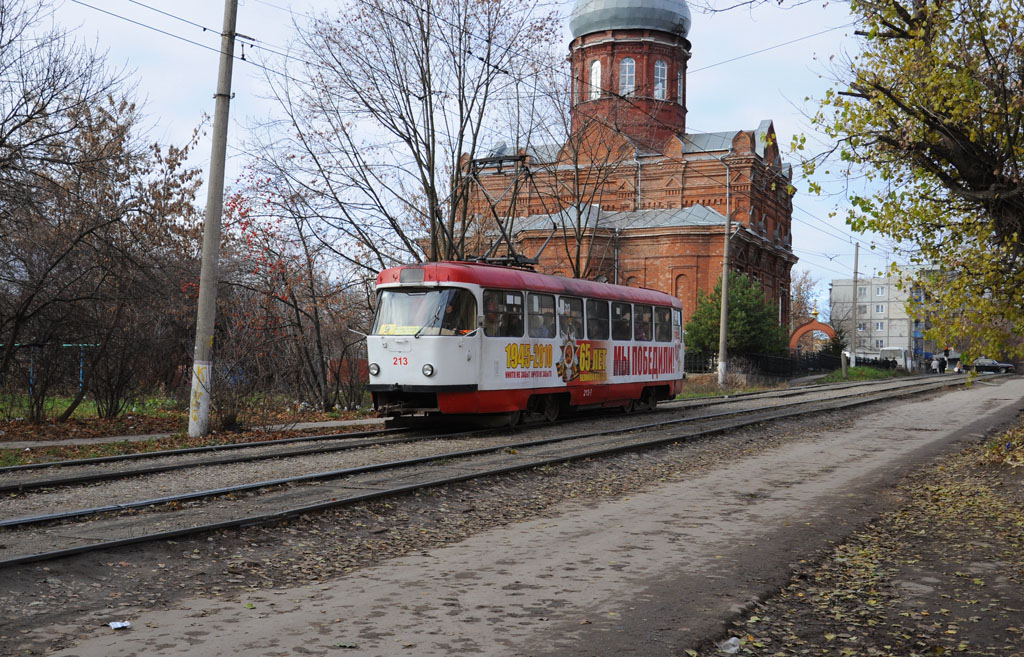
(374, 369)
(428, 370)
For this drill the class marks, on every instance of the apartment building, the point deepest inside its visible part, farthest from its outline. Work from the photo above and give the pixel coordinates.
(881, 315)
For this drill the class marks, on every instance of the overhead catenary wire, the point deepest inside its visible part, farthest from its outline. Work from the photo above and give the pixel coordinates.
(268, 48)
(258, 43)
(263, 66)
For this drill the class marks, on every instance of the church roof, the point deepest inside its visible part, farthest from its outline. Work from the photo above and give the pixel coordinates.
(710, 143)
(588, 16)
(538, 153)
(593, 217)
(704, 142)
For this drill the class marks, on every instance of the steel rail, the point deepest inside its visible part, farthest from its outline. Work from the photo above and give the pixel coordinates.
(526, 463)
(789, 392)
(345, 472)
(187, 450)
(101, 460)
(699, 401)
(35, 484)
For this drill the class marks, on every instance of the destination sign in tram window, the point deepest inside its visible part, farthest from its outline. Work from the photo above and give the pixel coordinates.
(570, 317)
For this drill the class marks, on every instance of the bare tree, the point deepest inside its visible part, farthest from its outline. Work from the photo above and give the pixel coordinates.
(580, 184)
(91, 218)
(387, 99)
(48, 87)
(290, 300)
(567, 167)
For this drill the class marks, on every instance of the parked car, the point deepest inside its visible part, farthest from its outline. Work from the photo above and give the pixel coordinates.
(992, 365)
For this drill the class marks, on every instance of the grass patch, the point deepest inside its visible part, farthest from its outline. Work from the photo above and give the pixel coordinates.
(16, 406)
(698, 386)
(858, 374)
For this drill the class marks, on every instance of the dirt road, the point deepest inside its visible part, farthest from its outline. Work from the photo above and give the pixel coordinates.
(648, 575)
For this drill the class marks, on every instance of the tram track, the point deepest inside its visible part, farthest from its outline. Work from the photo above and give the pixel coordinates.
(94, 470)
(206, 449)
(273, 500)
(19, 479)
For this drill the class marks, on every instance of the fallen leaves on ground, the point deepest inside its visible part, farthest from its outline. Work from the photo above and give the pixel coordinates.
(939, 575)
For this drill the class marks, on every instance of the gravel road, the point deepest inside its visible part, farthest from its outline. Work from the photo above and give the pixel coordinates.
(638, 555)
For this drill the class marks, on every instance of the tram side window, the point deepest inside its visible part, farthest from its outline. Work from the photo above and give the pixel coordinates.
(662, 324)
(622, 322)
(503, 313)
(597, 319)
(677, 324)
(570, 317)
(540, 312)
(642, 324)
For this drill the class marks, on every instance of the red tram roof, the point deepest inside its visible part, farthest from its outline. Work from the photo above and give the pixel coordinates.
(497, 276)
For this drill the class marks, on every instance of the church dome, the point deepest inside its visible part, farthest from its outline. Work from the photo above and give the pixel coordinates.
(672, 16)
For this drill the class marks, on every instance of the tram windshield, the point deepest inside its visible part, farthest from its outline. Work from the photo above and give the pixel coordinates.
(425, 311)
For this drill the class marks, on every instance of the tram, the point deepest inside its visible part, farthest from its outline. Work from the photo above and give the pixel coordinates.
(469, 339)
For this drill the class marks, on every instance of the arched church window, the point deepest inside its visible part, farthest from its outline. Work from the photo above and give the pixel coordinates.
(660, 79)
(627, 76)
(679, 86)
(595, 79)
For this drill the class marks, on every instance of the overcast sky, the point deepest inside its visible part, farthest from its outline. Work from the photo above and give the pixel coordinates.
(746, 66)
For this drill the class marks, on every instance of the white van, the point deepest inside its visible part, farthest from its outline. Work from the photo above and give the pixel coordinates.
(901, 356)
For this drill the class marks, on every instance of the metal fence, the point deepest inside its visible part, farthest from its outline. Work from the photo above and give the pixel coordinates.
(781, 366)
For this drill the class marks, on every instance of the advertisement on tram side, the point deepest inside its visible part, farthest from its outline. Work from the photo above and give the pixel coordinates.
(575, 362)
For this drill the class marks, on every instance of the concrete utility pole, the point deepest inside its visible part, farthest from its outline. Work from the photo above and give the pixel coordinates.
(202, 366)
(723, 322)
(853, 340)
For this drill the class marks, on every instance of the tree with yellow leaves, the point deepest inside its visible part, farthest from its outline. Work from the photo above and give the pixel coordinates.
(932, 112)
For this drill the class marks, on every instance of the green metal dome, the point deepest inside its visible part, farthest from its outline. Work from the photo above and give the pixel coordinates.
(672, 16)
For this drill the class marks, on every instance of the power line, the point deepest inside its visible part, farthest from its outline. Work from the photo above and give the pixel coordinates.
(240, 58)
(148, 27)
(259, 44)
(174, 16)
(528, 81)
(826, 268)
(778, 45)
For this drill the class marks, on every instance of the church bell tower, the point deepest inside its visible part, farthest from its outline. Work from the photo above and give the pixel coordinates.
(629, 67)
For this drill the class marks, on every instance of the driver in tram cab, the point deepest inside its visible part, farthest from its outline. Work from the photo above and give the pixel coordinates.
(455, 320)
(450, 321)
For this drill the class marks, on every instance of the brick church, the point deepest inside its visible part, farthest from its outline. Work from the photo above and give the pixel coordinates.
(630, 197)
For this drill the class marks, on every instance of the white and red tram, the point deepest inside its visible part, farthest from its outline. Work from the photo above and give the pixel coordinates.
(459, 338)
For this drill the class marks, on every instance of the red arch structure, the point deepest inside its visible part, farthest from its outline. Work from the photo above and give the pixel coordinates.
(813, 325)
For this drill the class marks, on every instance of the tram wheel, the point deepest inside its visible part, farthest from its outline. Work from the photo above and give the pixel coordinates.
(514, 418)
(629, 407)
(551, 408)
(649, 400)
